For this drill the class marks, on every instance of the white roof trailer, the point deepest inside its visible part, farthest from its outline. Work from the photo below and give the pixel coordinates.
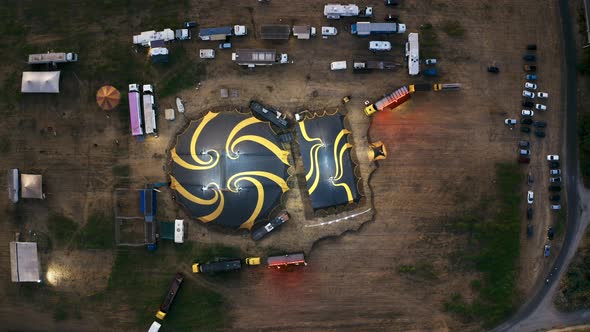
(413, 54)
(149, 114)
(146, 37)
(335, 11)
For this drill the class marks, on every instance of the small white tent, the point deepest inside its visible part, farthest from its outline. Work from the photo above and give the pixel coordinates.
(40, 82)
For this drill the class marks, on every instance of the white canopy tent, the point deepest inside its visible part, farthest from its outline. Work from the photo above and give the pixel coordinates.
(31, 186)
(40, 82)
(24, 262)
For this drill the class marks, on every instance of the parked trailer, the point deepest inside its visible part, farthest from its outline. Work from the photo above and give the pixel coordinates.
(135, 110)
(434, 87)
(149, 112)
(172, 291)
(413, 54)
(222, 266)
(373, 65)
(447, 87)
(286, 260)
(43, 58)
(368, 28)
(390, 101)
(272, 115)
(220, 33)
(335, 11)
(146, 37)
(275, 31)
(258, 57)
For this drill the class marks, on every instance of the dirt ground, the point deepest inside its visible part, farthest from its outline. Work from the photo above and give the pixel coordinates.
(442, 150)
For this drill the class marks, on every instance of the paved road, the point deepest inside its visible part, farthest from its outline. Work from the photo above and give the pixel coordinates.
(539, 312)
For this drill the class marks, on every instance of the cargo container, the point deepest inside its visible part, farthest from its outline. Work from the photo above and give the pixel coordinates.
(286, 260)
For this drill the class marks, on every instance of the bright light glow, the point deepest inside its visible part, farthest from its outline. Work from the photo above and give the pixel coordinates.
(52, 276)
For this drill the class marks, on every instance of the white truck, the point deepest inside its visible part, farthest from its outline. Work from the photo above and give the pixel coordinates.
(149, 111)
(240, 30)
(54, 58)
(379, 46)
(207, 53)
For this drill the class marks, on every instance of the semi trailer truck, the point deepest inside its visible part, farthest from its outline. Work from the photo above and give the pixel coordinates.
(172, 291)
(52, 58)
(368, 28)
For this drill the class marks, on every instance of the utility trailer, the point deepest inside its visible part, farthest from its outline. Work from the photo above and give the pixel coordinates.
(169, 299)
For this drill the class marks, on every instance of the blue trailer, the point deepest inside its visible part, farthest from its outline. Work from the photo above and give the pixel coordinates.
(147, 203)
(368, 28)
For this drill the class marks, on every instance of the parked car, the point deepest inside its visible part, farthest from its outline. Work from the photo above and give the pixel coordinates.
(529, 68)
(542, 95)
(529, 213)
(546, 250)
(554, 172)
(224, 46)
(540, 124)
(391, 17)
(554, 198)
(527, 113)
(554, 164)
(555, 180)
(529, 230)
(524, 144)
(391, 2)
(531, 77)
(493, 69)
(528, 94)
(188, 25)
(524, 152)
(529, 57)
(524, 160)
(525, 130)
(526, 121)
(531, 86)
(555, 188)
(329, 31)
(527, 103)
(530, 179)
(552, 157)
(510, 122)
(531, 47)
(550, 233)
(555, 207)
(430, 61)
(541, 107)
(539, 133)
(530, 197)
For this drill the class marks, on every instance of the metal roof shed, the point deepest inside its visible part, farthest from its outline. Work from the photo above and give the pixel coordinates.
(24, 262)
(40, 82)
(275, 31)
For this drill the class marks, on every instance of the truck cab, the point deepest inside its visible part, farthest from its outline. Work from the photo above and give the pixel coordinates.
(72, 57)
(284, 58)
(148, 89)
(366, 12)
(240, 30)
(134, 87)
